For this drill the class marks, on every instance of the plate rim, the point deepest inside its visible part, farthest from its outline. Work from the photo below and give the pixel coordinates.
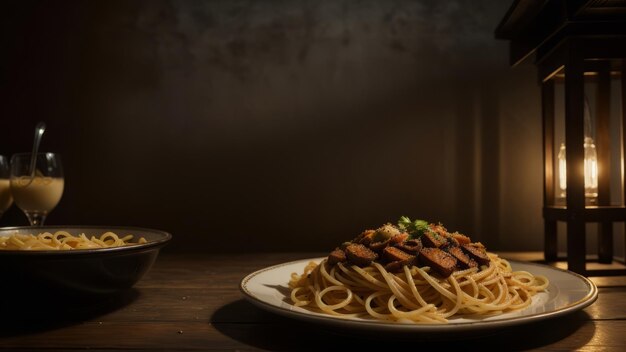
(587, 300)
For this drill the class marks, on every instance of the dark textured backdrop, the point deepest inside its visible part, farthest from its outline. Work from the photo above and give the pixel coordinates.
(275, 125)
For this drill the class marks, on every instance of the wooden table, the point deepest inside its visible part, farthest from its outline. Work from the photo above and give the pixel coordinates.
(193, 302)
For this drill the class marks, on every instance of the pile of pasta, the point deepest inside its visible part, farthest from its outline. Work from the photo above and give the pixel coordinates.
(415, 294)
(63, 240)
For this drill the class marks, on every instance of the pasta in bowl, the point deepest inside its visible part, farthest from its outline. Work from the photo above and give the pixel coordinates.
(77, 259)
(63, 240)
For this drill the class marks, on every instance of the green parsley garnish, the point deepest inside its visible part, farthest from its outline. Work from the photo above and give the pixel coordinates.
(414, 228)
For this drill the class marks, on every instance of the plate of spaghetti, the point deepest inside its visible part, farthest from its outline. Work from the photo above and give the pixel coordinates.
(417, 276)
(76, 259)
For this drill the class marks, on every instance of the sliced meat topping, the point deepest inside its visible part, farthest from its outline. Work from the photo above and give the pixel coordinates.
(411, 246)
(438, 228)
(433, 239)
(379, 246)
(393, 254)
(399, 238)
(365, 237)
(360, 255)
(442, 262)
(337, 256)
(479, 245)
(462, 260)
(452, 242)
(412, 243)
(476, 252)
(344, 245)
(462, 239)
(396, 267)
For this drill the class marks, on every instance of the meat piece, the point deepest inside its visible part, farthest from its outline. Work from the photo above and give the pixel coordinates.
(365, 237)
(393, 254)
(396, 267)
(446, 239)
(399, 238)
(452, 242)
(411, 246)
(462, 260)
(462, 239)
(360, 255)
(476, 252)
(344, 245)
(479, 245)
(337, 256)
(438, 228)
(379, 246)
(433, 239)
(442, 262)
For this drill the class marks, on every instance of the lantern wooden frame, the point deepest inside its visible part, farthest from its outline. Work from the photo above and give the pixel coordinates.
(569, 40)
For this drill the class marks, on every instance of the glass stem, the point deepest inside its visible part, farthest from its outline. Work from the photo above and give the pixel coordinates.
(36, 219)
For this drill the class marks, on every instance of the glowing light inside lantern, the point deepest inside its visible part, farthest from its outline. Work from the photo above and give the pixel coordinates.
(590, 167)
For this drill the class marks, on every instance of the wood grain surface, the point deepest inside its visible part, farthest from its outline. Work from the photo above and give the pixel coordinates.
(194, 303)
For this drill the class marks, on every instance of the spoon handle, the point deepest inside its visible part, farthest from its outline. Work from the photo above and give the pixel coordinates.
(39, 130)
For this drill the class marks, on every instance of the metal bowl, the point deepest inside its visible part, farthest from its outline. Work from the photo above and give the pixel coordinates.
(85, 271)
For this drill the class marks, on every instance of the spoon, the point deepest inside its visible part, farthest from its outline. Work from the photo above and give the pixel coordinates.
(39, 130)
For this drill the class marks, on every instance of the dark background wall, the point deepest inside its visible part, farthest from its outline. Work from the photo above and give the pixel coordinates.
(276, 125)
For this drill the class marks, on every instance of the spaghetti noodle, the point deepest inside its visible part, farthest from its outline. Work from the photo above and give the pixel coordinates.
(413, 294)
(63, 240)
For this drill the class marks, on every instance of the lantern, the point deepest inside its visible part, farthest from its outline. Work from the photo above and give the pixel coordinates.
(579, 48)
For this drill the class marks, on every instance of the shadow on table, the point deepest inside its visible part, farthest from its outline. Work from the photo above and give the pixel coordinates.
(250, 325)
(42, 311)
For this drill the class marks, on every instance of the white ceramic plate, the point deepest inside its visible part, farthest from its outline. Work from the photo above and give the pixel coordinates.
(568, 292)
